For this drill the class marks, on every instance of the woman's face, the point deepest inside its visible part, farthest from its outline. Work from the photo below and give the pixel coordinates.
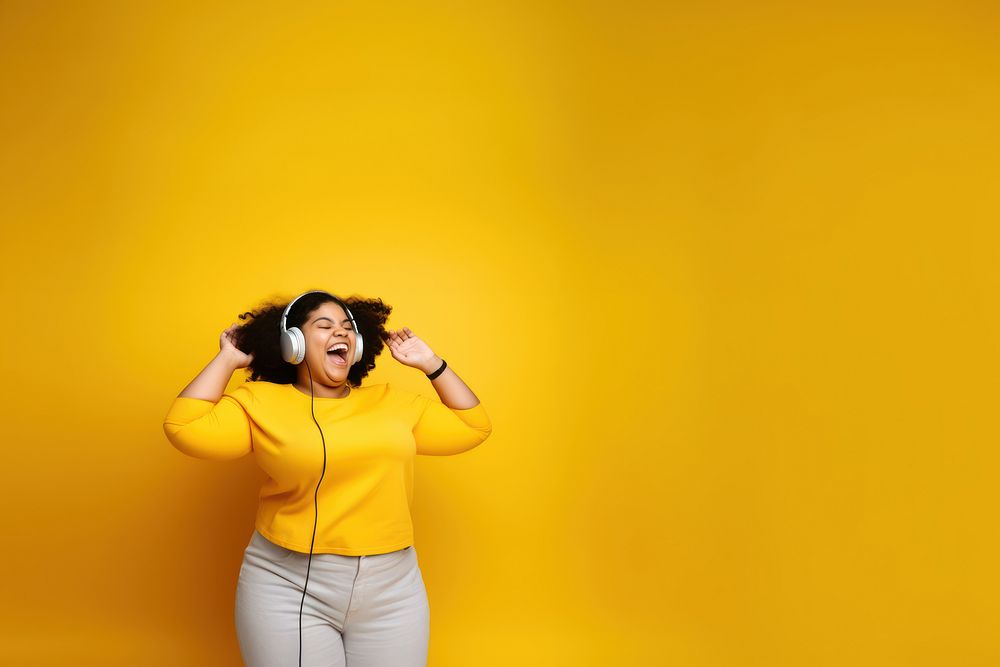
(327, 330)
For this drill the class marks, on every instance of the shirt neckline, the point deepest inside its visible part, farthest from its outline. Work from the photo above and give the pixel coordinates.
(301, 393)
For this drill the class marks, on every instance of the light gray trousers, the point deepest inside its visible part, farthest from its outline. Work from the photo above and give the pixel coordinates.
(359, 611)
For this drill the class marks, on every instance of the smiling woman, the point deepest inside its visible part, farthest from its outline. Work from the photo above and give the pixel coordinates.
(302, 410)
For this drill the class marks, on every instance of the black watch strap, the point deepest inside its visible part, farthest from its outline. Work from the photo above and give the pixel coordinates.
(444, 365)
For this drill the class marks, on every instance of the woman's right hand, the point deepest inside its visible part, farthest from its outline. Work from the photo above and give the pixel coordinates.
(227, 347)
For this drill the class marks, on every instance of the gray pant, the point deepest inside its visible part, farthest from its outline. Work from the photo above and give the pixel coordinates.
(360, 611)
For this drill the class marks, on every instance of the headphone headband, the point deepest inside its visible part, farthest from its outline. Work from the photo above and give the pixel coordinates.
(284, 315)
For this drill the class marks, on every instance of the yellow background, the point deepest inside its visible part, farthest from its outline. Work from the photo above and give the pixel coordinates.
(724, 275)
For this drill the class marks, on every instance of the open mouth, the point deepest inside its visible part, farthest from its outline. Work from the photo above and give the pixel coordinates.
(338, 356)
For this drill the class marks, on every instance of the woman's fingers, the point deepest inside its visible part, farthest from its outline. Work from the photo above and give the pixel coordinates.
(396, 337)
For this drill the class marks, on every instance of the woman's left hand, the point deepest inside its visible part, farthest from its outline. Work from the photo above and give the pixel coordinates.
(408, 349)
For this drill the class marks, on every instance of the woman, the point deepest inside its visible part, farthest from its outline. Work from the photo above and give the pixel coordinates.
(330, 574)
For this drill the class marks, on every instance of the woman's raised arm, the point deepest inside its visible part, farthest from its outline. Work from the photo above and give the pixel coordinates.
(211, 382)
(204, 423)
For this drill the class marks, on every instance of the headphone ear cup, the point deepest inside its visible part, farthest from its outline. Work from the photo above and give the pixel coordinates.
(293, 346)
(359, 348)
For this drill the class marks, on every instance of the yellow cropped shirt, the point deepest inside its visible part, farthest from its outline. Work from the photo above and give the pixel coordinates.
(372, 436)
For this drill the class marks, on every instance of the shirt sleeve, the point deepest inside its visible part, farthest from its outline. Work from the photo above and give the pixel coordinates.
(442, 431)
(206, 430)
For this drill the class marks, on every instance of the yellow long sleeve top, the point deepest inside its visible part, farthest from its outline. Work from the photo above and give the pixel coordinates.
(372, 436)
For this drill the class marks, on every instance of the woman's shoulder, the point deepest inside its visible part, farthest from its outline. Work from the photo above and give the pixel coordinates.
(254, 390)
(402, 395)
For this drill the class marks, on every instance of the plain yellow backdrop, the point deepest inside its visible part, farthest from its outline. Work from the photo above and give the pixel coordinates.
(724, 275)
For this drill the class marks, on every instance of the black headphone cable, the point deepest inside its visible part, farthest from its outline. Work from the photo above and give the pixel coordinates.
(312, 401)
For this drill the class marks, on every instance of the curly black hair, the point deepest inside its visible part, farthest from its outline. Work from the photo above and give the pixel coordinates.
(261, 335)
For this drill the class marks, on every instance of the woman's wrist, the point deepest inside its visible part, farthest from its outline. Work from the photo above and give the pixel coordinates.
(432, 365)
(228, 358)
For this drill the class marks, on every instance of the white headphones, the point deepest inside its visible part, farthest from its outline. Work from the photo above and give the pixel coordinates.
(293, 342)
